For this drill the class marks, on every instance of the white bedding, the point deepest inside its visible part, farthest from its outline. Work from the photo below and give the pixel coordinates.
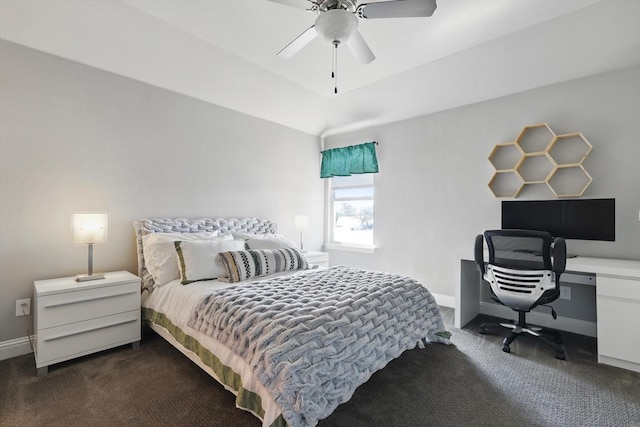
(312, 340)
(171, 300)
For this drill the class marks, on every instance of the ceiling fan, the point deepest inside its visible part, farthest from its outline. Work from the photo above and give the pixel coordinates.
(337, 23)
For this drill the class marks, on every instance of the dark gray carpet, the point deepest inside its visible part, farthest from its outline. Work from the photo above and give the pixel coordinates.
(471, 383)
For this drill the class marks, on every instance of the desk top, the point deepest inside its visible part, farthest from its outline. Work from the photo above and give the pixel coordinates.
(604, 266)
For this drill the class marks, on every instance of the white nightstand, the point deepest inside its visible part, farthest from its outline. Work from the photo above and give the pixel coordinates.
(320, 259)
(72, 319)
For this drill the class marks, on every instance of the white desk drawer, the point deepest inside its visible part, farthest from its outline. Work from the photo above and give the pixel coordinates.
(75, 339)
(59, 309)
(618, 288)
(617, 335)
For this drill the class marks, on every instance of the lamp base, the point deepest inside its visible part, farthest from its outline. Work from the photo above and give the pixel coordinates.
(87, 277)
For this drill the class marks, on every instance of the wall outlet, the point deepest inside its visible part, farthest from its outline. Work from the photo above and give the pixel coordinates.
(565, 292)
(23, 307)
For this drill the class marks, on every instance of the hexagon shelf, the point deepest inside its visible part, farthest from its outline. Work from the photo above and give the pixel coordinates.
(505, 157)
(535, 138)
(570, 149)
(539, 156)
(536, 168)
(506, 184)
(569, 181)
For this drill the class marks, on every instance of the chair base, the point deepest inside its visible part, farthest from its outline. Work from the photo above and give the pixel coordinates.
(522, 328)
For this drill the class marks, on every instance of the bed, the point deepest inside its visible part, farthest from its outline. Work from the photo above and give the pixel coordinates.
(291, 341)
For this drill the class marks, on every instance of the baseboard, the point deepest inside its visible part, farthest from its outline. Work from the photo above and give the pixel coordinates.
(14, 348)
(445, 300)
(618, 363)
(581, 327)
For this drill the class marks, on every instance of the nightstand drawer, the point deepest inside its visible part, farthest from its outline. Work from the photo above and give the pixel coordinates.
(76, 306)
(76, 339)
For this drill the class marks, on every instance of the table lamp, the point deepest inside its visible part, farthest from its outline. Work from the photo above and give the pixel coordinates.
(90, 228)
(301, 223)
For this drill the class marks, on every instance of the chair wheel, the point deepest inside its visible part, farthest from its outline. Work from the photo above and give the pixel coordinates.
(506, 348)
(482, 330)
(560, 355)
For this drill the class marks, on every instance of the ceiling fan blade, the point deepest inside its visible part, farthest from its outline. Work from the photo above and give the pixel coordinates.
(360, 48)
(397, 9)
(300, 4)
(301, 41)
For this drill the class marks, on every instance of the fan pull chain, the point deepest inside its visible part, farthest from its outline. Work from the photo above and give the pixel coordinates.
(333, 63)
(334, 68)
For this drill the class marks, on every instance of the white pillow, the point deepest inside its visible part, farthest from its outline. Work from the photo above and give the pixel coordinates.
(160, 253)
(270, 243)
(197, 258)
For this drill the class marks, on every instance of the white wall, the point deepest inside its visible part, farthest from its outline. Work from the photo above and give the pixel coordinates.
(431, 193)
(74, 138)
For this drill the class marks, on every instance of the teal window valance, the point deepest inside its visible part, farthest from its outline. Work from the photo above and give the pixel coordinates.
(345, 161)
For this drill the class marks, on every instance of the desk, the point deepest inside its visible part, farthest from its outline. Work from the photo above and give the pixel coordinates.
(617, 305)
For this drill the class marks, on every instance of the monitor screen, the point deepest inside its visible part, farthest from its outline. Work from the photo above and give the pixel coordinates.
(588, 219)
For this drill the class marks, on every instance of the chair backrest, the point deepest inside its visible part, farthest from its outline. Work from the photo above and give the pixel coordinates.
(520, 268)
(519, 249)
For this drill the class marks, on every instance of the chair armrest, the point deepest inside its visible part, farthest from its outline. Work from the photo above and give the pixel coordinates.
(478, 252)
(559, 255)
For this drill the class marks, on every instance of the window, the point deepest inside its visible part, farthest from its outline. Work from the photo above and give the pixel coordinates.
(351, 210)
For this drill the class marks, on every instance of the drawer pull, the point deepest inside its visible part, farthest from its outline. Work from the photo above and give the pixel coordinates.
(84, 331)
(60, 304)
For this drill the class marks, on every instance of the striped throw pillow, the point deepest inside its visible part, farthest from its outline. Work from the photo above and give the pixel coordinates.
(243, 265)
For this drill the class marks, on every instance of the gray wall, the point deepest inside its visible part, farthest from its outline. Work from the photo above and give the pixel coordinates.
(73, 138)
(431, 193)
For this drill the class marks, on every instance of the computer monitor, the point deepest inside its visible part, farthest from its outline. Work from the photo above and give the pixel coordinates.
(580, 219)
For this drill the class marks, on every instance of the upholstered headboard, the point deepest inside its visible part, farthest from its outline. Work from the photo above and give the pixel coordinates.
(181, 225)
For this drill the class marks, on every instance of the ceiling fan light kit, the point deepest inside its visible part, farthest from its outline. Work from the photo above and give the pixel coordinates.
(336, 26)
(337, 23)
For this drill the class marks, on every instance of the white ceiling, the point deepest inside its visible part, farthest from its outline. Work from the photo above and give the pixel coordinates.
(223, 52)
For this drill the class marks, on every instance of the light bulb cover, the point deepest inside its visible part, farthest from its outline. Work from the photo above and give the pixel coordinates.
(336, 25)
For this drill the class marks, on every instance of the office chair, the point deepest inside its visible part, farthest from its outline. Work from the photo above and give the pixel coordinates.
(522, 276)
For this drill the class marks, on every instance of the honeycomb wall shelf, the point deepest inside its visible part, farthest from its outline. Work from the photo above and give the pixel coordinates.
(505, 157)
(570, 149)
(539, 156)
(536, 168)
(506, 184)
(569, 181)
(535, 138)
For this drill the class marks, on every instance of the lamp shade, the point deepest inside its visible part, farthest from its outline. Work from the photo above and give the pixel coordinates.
(90, 227)
(301, 222)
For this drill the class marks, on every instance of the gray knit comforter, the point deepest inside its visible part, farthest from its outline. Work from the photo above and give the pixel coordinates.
(313, 339)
